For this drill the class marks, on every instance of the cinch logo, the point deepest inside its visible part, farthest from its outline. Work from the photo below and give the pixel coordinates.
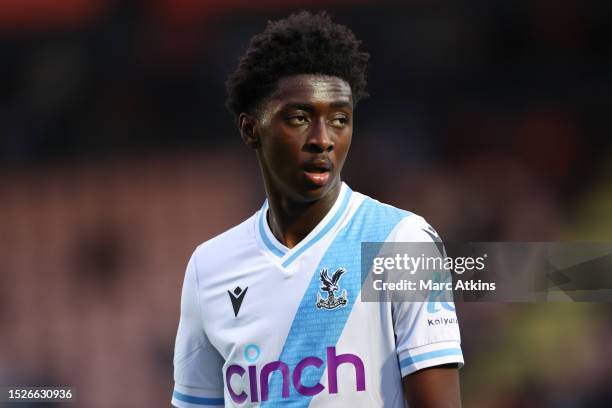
(251, 353)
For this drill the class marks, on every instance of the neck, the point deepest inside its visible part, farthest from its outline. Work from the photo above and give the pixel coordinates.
(292, 221)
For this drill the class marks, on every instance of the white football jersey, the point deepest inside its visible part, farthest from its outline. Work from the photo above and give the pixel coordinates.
(265, 325)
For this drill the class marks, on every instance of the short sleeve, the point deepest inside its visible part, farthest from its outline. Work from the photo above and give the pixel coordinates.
(427, 332)
(198, 378)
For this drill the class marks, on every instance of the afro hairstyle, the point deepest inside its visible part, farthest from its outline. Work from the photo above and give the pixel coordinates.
(303, 43)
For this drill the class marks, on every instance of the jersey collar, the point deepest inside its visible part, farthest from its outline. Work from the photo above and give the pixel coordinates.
(286, 256)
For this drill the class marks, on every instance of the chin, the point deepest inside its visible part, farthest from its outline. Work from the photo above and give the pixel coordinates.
(316, 192)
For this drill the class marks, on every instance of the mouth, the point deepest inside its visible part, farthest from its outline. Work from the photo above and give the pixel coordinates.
(318, 172)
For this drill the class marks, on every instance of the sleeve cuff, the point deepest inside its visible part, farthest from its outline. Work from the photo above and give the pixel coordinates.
(430, 355)
(191, 397)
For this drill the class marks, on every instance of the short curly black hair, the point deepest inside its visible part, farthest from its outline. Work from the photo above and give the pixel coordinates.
(303, 43)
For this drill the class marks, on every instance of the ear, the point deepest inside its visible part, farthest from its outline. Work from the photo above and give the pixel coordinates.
(248, 130)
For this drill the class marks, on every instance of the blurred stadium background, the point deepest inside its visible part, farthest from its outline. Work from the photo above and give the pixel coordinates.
(117, 157)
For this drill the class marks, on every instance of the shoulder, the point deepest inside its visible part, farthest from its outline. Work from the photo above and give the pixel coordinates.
(407, 225)
(221, 248)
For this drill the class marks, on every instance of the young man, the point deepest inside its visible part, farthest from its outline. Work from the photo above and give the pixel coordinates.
(271, 313)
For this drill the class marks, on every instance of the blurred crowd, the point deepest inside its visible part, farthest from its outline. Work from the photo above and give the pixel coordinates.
(117, 158)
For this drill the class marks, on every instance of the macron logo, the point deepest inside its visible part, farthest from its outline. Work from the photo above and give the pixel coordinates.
(237, 296)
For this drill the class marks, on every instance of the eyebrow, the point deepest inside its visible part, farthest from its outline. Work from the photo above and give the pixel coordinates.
(341, 104)
(310, 108)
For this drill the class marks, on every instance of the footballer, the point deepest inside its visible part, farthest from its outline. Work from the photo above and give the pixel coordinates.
(271, 313)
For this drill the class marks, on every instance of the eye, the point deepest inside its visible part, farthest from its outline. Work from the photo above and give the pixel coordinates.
(298, 120)
(339, 121)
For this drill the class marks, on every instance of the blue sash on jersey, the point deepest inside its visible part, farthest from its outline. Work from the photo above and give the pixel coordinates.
(314, 329)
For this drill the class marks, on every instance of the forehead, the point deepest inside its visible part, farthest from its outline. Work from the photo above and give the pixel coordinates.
(312, 88)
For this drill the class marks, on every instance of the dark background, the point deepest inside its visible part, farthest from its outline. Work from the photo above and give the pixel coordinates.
(117, 157)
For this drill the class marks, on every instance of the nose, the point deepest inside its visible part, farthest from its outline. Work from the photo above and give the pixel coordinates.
(319, 139)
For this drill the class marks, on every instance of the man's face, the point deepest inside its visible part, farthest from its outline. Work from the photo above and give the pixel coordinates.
(304, 131)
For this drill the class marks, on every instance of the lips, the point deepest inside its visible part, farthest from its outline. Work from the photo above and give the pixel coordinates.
(318, 172)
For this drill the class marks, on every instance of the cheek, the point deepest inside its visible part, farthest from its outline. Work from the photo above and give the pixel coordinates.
(343, 147)
(282, 151)
(348, 141)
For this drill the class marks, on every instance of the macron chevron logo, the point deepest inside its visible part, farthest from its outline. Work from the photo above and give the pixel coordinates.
(237, 296)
